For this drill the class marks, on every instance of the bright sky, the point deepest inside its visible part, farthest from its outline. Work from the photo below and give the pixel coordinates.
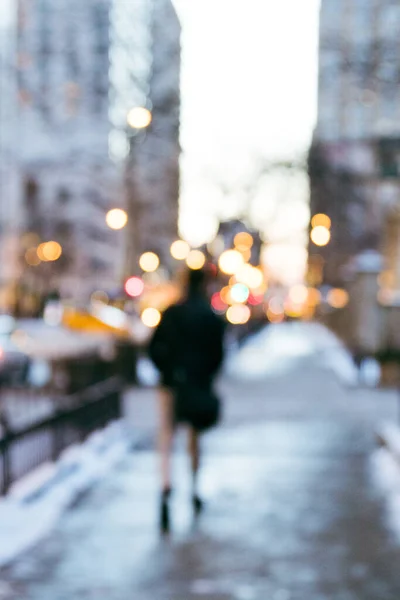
(249, 78)
(5, 11)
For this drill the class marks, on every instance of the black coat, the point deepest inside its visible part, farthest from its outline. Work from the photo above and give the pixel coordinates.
(188, 343)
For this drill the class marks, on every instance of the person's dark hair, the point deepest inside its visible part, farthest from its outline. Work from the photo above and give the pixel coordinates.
(197, 280)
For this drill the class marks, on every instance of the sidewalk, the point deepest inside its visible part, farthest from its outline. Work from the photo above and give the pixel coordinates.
(295, 510)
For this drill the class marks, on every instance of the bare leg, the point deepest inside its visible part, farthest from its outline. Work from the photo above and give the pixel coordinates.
(194, 451)
(166, 435)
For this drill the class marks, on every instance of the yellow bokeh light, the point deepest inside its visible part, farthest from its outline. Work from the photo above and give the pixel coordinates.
(246, 253)
(298, 294)
(230, 262)
(243, 241)
(275, 317)
(116, 218)
(195, 260)
(294, 310)
(32, 258)
(314, 297)
(250, 276)
(338, 298)
(320, 235)
(321, 220)
(238, 314)
(51, 251)
(225, 294)
(139, 117)
(39, 252)
(151, 317)
(149, 262)
(180, 250)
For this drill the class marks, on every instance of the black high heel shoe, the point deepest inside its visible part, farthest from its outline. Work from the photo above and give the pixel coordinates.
(165, 520)
(198, 505)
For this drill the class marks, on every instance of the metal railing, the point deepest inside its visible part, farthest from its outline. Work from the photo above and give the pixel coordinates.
(42, 427)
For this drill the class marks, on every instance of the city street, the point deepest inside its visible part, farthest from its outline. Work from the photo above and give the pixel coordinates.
(297, 505)
(168, 216)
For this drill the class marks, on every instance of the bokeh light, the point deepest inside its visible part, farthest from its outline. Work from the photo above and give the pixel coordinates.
(239, 293)
(225, 294)
(321, 220)
(149, 262)
(337, 298)
(139, 117)
(216, 246)
(134, 287)
(246, 253)
(32, 258)
(275, 306)
(238, 314)
(116, 218)
(195, 260)
(250, 276)
(151, 317)
(217, 303)
(298, 294)
(51, 251)
(255, 299)
(275, 317)
(294, 310)
(230, 262)
(243, 241)
(180, 250)
(39, 251)
(314, 297)
(320, 235)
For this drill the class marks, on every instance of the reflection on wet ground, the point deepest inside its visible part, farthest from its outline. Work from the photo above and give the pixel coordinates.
(299, 518)
(293, 511)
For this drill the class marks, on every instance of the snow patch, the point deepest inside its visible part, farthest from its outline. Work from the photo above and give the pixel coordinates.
(35, 504)
(277, 348)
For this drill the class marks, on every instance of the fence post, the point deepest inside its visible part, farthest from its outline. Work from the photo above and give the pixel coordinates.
(6, 457)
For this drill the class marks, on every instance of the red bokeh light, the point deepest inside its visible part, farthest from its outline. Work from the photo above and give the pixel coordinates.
(134, 287)
(217, 303)
(212, 269)
(255, 300)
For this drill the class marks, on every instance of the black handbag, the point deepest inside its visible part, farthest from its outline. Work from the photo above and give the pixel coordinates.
(197, 405)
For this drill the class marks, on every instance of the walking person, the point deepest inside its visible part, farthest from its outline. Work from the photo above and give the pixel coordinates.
(187, 348)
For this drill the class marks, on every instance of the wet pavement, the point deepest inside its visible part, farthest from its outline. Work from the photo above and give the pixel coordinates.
(293, 508)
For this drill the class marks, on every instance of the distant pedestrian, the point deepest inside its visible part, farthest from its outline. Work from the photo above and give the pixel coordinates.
(187, 348)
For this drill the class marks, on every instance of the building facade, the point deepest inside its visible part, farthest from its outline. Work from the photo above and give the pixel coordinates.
(355, 154)
(79, 67)
(155, 159)
(10, 197)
